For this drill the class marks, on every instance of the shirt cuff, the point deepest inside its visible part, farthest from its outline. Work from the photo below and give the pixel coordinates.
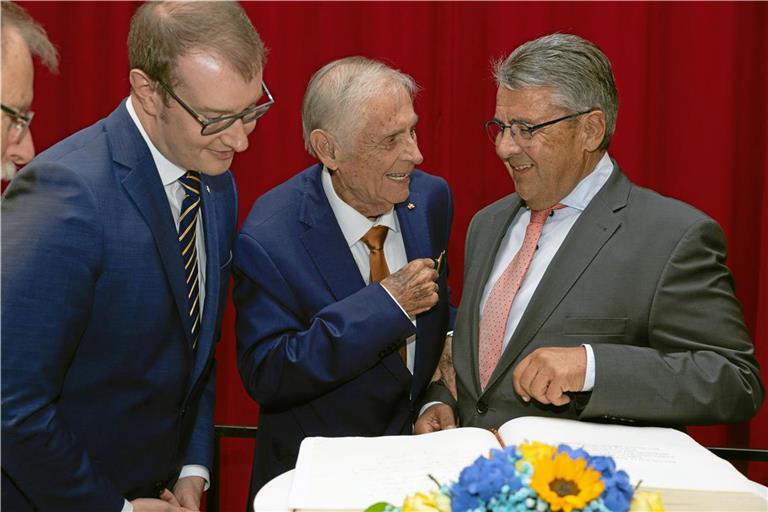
(127, 507)
(196, 470)
(413, 320)
(427, 406)
(589, 378)
(449, 334)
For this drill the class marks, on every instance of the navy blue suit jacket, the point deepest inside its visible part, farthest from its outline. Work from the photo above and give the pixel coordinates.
(102, 396)
(317, 348)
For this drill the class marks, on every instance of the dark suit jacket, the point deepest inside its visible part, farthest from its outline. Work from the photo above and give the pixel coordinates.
(317, 348)
(102, 396)
(642, 279)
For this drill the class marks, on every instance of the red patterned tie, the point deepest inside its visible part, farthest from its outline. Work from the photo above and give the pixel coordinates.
(496, 311)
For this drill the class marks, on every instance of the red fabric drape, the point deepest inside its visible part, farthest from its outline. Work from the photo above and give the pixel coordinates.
(692, 82)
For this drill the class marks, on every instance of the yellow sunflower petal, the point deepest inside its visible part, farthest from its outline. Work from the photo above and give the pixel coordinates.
(564, 483)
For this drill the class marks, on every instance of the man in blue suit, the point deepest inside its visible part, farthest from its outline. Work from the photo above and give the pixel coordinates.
(115, 262)
(324, 306)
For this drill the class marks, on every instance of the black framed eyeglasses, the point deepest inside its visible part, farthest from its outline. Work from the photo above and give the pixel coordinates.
(21, 122)
(520, 131)
(219, 124)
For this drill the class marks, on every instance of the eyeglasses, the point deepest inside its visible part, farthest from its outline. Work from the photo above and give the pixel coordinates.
(21, 122)
(219, 124)
(520, 131)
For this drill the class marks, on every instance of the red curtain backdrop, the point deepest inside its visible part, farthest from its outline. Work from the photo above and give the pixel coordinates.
(692, 82)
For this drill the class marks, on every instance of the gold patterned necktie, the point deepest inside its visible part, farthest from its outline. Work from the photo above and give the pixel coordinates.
(187, 240)
(374, 240)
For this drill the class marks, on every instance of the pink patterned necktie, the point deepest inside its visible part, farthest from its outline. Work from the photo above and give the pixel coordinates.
(496, 311)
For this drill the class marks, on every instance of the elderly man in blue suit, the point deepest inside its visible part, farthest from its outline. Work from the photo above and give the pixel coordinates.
(338, 331)
(116, 254)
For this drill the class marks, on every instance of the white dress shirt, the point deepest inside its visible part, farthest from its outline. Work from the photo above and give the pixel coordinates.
(354, 225)
(169, 175)
(556, 228)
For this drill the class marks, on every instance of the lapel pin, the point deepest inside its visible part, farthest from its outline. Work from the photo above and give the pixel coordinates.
(208, 189)
(410, 206)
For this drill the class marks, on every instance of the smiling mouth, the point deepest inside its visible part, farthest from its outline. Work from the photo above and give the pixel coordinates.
(224, 155)
(399, 177)
(521, 168)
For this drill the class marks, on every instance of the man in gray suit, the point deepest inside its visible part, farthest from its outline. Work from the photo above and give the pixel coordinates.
(586, 296)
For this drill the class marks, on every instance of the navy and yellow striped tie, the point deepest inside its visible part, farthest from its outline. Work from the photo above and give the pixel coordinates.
(187, 238)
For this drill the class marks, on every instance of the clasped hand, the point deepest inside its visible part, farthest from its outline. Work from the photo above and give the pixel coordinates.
(547, 374)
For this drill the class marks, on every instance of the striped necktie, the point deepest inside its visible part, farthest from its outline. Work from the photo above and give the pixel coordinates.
(187, 238)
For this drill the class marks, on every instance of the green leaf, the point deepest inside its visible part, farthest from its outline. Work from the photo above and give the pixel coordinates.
(379, 507)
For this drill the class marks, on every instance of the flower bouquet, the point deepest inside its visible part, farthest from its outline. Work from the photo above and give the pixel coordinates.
(534, 477)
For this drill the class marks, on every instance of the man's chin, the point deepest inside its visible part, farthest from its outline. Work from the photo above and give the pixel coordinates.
(8, 170)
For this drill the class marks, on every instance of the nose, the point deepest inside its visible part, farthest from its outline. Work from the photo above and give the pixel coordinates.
(414, 154)
(23, 151)
(507, 145)
(236, 136)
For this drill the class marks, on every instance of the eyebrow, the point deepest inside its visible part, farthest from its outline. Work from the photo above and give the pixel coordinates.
(513, 120)
(409, 127)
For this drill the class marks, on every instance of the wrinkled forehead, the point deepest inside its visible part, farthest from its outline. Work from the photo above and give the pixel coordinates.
(525, 103)
(17, 71)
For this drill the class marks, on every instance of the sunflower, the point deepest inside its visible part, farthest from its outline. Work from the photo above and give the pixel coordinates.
(565, 483)
(536, 450)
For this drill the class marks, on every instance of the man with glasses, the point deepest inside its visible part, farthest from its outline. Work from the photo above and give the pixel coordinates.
(116, 258)
(342, 312)
(22, 38)
(585, 296)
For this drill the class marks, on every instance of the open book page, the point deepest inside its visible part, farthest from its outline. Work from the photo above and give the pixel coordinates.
(660, 457)
(351, 473)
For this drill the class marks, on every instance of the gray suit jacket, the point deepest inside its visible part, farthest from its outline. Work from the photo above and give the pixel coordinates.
(641, 278)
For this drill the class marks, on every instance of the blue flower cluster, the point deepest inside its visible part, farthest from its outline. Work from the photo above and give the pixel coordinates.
(487, 480)
(498, 484)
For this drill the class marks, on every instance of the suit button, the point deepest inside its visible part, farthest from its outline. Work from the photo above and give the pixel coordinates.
(482, 407)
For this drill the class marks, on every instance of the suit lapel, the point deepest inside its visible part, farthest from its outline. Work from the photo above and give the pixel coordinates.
(498, 229)
(324, 241)
(142, 183)
(414, 227)
(592, 230)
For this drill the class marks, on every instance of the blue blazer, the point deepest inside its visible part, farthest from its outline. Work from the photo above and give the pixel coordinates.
(102, 396)
(317, 348)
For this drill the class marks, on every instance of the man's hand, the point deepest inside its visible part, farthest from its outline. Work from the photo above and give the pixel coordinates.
(414, 286)
(188, 491)
(436, 417)
(445, 371)
(166, 503)
(546, 374)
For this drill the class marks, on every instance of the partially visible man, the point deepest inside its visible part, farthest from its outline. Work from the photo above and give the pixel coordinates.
(586, 296)
(22, 38)
(334, 272)
(116, 254)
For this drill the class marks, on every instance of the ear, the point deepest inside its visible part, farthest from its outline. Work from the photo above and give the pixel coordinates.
(594, 130)
(145, 91)
(325, 148)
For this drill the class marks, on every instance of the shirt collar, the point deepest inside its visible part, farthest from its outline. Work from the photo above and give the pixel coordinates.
(590, 185)
(353, 224)
(169, 172)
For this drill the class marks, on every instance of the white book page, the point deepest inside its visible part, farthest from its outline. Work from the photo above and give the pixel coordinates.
(660, 457)
(354, 472)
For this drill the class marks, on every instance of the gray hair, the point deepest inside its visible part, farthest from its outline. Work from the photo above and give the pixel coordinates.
(577, 70)
(34, 35)
(337, 92)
